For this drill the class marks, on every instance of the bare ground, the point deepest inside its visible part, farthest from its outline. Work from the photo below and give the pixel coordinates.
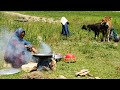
(32, 18)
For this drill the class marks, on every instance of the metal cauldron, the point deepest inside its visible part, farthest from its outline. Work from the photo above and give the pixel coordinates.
(42, 59)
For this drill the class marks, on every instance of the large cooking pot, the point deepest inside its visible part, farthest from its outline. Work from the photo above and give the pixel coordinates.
(43, 55)
(42, 59)
(55, 56)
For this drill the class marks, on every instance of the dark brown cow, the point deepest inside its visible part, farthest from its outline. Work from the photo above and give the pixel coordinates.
(97, 28)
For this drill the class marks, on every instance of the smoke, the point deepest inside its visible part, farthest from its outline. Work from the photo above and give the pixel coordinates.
(44, 48)
(4, 38)
(28, 56)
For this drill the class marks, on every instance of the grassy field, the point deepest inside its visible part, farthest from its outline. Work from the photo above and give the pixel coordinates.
(100, 58)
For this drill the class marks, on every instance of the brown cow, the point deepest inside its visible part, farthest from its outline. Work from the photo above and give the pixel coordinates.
(108, 20)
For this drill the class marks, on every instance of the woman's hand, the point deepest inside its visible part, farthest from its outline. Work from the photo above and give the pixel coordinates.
(28, 47)
(34, 50)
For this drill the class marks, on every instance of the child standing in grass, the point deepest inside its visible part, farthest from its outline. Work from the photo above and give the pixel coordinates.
(114, 35)
(65, 23)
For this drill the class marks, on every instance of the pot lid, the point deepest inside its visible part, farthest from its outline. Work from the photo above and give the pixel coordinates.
(39, 54)
(9, 71)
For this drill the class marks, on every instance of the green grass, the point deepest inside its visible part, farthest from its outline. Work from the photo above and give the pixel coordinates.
(100, 58)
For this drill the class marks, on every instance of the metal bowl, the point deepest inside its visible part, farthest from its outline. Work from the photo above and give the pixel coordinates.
(58, 57)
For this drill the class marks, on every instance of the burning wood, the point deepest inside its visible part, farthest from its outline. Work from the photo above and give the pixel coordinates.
(86, 72)
(82, 72)
(53, 65)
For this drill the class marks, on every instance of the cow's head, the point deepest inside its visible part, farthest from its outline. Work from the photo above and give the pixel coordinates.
(84, 27)
(106, 20)
(104, 25)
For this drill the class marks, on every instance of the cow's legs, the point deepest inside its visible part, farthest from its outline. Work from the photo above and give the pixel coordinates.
(108, 35)
(103, 36)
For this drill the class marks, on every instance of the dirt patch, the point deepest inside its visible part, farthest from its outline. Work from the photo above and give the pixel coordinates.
(34, 75)
(22, 17)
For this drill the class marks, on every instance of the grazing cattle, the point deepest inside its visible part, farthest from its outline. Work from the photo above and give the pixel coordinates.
(108, 21)
(97, 28)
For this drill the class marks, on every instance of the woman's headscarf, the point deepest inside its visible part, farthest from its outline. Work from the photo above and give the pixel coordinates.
(18, 32)
(63, 20)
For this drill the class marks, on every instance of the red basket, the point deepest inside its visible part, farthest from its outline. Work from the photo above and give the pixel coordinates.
(69, 58)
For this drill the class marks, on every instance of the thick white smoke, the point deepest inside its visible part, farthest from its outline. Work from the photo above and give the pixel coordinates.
(5, 35)
(44, 48)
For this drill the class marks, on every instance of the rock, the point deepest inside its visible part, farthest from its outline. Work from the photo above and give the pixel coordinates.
(62, 77)
(29, 67)
(97, 78)
(7, 65)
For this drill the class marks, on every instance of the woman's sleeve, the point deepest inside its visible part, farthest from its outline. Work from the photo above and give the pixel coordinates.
(27, 43)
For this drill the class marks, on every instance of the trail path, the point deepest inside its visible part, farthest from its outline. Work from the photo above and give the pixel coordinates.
(31, 18)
